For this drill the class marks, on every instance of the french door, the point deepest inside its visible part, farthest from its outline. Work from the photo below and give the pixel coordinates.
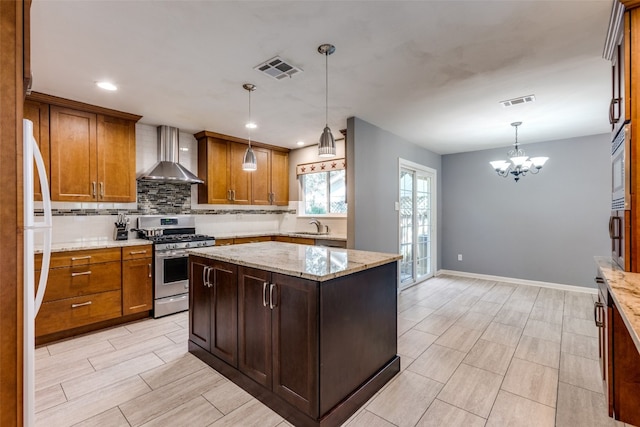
(417, 223)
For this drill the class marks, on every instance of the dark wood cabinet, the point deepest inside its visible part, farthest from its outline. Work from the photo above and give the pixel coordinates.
(137, 279)
(602, 314)
(213, 302)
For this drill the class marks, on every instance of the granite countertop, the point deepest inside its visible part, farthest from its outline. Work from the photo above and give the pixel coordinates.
(624, 288)
(330, 236)
(310, 262)
(93, 243)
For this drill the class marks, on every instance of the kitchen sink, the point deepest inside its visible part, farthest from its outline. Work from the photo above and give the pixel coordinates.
(312, 233)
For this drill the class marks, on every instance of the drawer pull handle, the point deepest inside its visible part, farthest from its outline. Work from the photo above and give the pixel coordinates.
(78, 258)
(264, 294)
(82, 304)
(82, 273)
(597, 305)
(272, 304)
(101, 190)
(149, 265)
(137, 252)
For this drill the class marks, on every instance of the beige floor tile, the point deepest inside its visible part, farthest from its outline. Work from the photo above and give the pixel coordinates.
(532, 381)
(413, 342)
(157, 402)
(366, 418)
(167, 373)
(579, 311)
(580, 326)
(142, 347)
(442, 414)
(405, 362)
(539, 351)
(581, 372)
(451, 309)
(491, 356)
(197, 412)
(41, 353)
(436, 300)
(522, 305)
(511, 317)
(472, 389)
(251, 414)
(578, 299)
(498, 294)
(474, 320)
(404, 325)
(179, 336)
(502, 334)
(459, 338)
(436, 325)
(512, 410)
(543, 330)
(526, 292)
(171, 352)
(580, 407)
(59, 372)
(226, 396)
(486, 307)
(550, 303)
(466, 299)
(580, 345)
(110, 418)
(85, 343)
(416, 313)
(143, 334)
(92, 404)
(97, 380)
(550, 293)
(49, 397)
(544, 314)
(405, 399)
(68, 357)
(151, 323)
(437, 363)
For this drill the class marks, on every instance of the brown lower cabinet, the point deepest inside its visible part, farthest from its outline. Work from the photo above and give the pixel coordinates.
(619, 359)
(137, 279)
(312, 351)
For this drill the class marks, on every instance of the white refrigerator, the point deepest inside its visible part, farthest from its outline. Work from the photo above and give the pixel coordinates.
(33, 300)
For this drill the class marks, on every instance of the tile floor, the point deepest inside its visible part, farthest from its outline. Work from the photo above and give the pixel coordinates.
(474, 353)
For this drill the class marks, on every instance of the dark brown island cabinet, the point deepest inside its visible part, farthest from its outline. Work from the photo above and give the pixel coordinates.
(314, 344)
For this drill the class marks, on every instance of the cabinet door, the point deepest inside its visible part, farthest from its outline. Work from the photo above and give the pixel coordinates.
(603, 314)
(137, 286)
(116, 159)
(280, 178)
(626, 372)
(239, 180)
(261, 178)
(73, 155)
(38, 113)
(224, 311)
(213, 168)
(254, 325)
(295, 341)
(199, 304)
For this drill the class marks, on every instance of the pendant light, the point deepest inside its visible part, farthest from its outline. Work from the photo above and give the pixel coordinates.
(327, 145)
(249, 162)
(519, 163)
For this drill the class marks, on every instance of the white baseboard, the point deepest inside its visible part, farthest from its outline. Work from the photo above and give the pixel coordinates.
(560, 286)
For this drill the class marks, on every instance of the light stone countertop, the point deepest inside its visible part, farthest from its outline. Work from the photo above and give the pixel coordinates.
(93, 243)
(330, 236)
(624, 288)
(310, 262)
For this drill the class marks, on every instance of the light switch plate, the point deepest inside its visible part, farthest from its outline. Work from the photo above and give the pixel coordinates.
(397, 206)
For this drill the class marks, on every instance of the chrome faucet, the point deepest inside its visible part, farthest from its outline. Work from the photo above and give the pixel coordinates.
(317, 224)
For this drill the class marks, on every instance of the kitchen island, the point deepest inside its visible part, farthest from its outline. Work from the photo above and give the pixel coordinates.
(310, 331)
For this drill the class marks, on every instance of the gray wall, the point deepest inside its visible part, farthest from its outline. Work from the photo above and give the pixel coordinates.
(546, 227)
(372, 185)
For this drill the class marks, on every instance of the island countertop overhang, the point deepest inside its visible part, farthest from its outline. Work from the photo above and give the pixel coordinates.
(310, 262)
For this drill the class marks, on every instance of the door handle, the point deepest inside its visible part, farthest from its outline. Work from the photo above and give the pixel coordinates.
(598, 279)
(264, 294)
(272, 305)
(82, 304)
(597, 305)
(228, 194)
(78, 258)
(209, 277)
(101, 190)
(149, 265)
(93, 189)
(614, 231)
(82, 273)
(204, 276)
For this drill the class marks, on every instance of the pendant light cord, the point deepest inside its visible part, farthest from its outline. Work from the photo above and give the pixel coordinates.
(516, 138)
(249, 127)
(326, 100)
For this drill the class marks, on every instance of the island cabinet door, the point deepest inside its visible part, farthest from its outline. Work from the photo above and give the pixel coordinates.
(294, 303)
(223, 282)
(199, 303)
(254, 325)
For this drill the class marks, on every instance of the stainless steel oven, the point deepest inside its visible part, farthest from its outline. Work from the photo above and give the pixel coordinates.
(171, 278)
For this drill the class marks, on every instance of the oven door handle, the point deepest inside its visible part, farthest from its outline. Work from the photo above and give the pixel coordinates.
(172, 254)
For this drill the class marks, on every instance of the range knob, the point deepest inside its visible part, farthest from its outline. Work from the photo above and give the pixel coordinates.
(187, 245)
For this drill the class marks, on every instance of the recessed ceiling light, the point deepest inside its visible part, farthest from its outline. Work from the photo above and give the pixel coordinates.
(301, 143)
(251, 125)
(107, 86)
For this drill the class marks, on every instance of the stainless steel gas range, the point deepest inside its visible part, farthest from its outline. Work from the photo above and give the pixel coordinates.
(171, 236)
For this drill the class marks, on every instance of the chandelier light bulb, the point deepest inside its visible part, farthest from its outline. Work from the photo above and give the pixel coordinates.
(519, 163)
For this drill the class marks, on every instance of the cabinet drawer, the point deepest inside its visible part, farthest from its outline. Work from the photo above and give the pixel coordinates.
(136, 252)
(75, 258)
(71, 313)
(69, 282)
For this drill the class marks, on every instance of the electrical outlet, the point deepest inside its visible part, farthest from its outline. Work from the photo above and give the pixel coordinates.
(459, 257)
(397, 206)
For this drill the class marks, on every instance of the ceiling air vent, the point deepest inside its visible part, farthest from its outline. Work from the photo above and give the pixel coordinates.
(519, 100)
(278, 68)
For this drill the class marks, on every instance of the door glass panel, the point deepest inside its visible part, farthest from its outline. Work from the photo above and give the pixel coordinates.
(406, 226)
(423, 198)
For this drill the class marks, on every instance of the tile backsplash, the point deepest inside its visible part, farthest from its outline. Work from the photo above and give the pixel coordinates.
(163, 198)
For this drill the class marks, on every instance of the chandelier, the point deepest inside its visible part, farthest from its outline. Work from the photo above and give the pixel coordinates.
(519, 163)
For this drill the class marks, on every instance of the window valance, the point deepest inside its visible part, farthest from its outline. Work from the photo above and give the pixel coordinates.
(324, 166)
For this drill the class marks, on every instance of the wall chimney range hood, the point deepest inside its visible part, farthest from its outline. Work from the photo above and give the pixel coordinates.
(168, 169)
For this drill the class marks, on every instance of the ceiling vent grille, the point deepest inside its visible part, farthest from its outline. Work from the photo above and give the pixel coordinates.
(277, 68)
(519, 100)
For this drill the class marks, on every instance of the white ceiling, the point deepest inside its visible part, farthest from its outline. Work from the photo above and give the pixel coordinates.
(432, 72)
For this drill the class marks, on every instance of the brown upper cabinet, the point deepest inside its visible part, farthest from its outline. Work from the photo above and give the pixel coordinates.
(38, 113)
(91, 151)
(220, 166)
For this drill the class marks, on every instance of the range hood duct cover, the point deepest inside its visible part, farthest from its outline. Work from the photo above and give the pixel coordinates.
(168, 169)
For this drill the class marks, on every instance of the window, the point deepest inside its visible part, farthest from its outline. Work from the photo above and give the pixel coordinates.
(324, 193)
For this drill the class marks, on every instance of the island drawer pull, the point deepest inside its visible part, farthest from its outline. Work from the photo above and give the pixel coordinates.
(272, 305)
(137, 252)
(596, 306)
(209, 277)
(204, 276)
(82, 273)
(264, 294)
(82, 304)
(78, 258)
